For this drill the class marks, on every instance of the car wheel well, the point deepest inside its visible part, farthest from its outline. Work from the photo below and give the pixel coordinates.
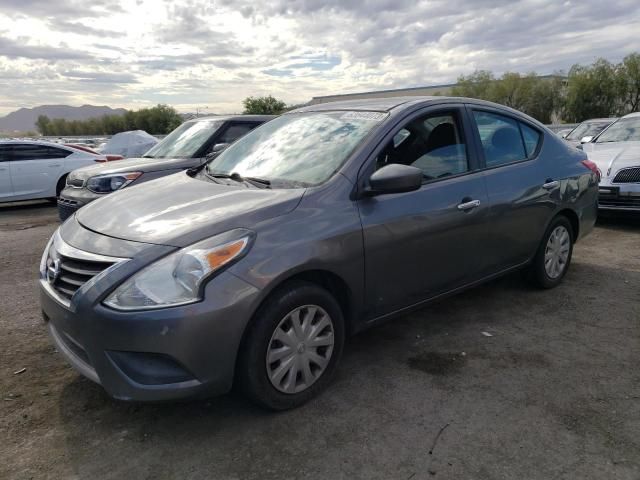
(61, 183)
(331, 282)
(573, 220)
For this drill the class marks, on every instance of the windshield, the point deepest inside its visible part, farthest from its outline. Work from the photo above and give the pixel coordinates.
(586, 129)
(185, 141)
(624, 130)
(299, 148)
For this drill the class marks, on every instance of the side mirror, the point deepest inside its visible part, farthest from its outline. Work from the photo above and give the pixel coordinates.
(217, 148)
(586, 139)
(395, 178)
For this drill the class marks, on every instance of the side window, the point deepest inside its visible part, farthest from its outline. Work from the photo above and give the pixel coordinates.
(531, 138)
(501, 139)
(235, 131)
(5, 153)
(433, 143)
(37, 152)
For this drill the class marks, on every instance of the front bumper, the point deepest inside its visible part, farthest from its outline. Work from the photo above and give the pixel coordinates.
(622, 197)
(152, 355)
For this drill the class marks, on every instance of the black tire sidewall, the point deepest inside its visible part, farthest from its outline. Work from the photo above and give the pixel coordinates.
(539, 271)
(252, 372)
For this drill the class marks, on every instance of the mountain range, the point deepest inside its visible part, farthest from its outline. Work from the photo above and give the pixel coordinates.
(24, 119)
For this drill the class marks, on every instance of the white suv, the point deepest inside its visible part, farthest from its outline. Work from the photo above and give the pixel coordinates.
(35, 169)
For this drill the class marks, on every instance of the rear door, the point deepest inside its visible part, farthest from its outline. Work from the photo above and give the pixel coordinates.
(422, 243)
(35, 169)
(520, 192)
(6, 188)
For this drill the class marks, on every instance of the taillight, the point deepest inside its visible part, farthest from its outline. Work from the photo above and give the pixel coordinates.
(593, 167)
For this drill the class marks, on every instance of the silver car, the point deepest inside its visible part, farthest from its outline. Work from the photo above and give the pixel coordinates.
(616, 152)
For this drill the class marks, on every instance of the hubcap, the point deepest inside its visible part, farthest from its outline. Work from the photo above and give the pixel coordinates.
(557, 252)
(300, 349)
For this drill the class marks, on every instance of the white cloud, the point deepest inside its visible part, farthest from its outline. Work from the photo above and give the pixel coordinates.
(197, 53)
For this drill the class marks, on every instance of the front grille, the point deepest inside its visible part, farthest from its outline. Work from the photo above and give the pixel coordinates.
(628, 175)
(66, 274)
(66, 208)
(623, 202)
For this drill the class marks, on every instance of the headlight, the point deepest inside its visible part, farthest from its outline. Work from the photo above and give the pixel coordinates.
(45, 256)
(177, 279)
(111, 182)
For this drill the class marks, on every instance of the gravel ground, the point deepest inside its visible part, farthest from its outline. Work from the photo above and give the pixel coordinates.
(553, 393)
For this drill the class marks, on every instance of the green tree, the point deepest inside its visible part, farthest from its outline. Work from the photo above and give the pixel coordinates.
(476, 85)
(592, 91)
(43, 124)
(628, 84)
(263, 105)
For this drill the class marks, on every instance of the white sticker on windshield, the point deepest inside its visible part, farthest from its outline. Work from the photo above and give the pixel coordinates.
(371, 116)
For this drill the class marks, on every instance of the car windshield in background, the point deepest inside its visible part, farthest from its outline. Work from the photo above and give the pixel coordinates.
(185, 141)
(586, 130)
(624, 130)
(299, 149)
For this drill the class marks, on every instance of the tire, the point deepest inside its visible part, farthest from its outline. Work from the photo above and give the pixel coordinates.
(539, 273)
(258, 378)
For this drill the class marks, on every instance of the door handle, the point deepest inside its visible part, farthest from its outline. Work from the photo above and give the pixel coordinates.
(55, 165)
(469, 205)
(549, 184)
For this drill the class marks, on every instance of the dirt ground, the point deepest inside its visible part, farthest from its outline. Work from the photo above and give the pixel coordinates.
(553, 393)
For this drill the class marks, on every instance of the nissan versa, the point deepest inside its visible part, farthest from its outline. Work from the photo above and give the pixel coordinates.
(253, 268)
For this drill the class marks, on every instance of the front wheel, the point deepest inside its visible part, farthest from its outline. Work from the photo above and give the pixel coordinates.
(293, 347)
(553, 257)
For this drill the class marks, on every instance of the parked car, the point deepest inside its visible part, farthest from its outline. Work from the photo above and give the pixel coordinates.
(318, 224)
(31, 169)
(186, 147)
(616, 152)
(587, 130)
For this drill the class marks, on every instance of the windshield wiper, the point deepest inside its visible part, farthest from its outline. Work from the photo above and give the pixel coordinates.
(255, 181)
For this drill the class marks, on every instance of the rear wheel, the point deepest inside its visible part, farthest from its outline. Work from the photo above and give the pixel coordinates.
(293, 347)
(553, 257)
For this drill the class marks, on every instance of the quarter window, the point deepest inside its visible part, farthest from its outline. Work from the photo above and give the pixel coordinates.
(531, 138)
(434, 144)
(5, 152)
(504, 139)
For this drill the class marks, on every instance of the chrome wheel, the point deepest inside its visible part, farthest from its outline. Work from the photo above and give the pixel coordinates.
(300, 349)
(557, 252)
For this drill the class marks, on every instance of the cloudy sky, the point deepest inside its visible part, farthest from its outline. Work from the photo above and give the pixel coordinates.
(213, 53)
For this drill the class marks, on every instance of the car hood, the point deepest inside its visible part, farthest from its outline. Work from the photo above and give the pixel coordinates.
(611, 157)
(179, 210)
(145, 165)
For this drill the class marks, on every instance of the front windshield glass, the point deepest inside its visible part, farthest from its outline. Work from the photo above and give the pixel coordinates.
(624, 130)
(186, 140)
(302, 149)
(586, 129)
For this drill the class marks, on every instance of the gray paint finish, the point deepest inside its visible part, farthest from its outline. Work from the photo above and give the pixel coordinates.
(388, 253)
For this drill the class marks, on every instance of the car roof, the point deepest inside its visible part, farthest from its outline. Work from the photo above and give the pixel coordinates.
(247, 118)
(631, 115)
(36, 142)
(608, 119)
(387, 104)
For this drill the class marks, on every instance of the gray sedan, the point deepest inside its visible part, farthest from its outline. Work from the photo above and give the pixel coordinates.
(314, 226)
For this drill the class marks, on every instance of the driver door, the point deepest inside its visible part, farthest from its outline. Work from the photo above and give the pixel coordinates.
(423, 243)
